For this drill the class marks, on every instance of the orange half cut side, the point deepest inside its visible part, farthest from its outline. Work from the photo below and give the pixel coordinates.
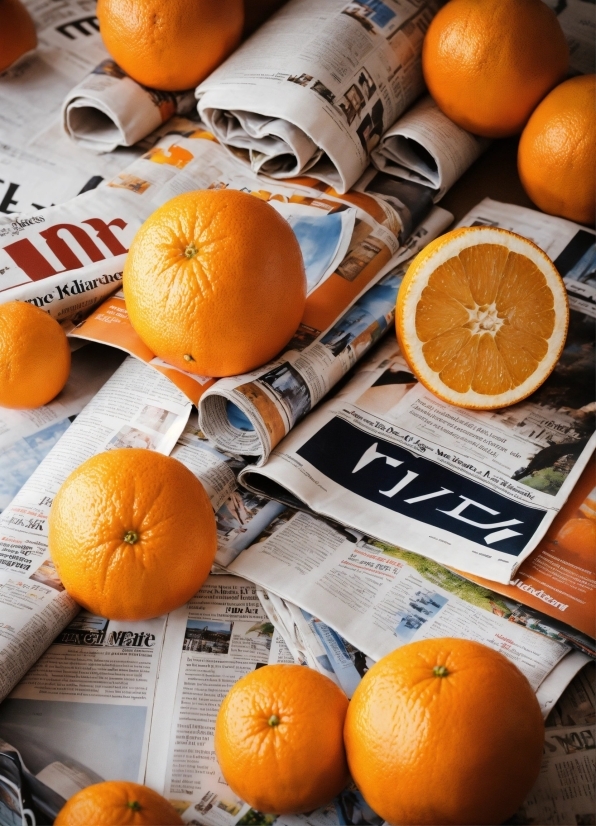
(482, 317)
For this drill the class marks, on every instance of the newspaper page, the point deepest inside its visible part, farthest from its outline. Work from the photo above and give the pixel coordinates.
(250, 414)
(426, 147)
(379, 597)
(559, 578)
(109, 109)
(317, 85)
(472, 490)
(82, 714)
(578, 21)
(39, 166)
(27, 436)
(137, 407)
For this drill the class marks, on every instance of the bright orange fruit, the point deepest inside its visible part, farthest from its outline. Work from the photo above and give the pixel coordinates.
(482, 317)
(34, 356)
(444, 731)
(578, 535)
(278, 739)
(132, 534)
(170, 45)
(118, 803)
(488, 63)
(214, 282)
(17, 32)
(557, 151)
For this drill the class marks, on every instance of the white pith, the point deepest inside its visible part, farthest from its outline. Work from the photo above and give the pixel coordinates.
(482, 315)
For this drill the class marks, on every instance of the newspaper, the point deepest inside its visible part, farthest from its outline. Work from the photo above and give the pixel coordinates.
(472, 490)
(27, 436)
(39, 166)
(109, 109)
(316, 86)
(559, 578)
(426, 147)
(578, 21)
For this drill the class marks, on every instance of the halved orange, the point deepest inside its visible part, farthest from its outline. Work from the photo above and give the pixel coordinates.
(482, 317)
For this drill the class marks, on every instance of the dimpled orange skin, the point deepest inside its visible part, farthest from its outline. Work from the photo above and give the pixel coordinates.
(557, 151)
(295, 764)
(170, 45)
(132, 534)
(464, 748)
(17, 32)
(34, 356)
(214, 282)
(488, 63)
(118, 803)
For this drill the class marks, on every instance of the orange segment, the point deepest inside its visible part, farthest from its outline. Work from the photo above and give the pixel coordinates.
(482, 317)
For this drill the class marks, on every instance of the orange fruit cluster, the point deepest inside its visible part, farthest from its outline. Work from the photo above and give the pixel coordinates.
(440, 731)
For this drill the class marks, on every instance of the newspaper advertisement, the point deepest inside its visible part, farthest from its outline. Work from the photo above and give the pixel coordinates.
(472, 490)
(559, 578)
(314, 89)
(27, 436)
(109, 109)
(137, 407)
(426, 147)
(39, 165)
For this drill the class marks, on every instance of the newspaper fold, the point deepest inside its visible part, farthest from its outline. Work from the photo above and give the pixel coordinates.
(317, 85)
(109, 109)
(425, 146)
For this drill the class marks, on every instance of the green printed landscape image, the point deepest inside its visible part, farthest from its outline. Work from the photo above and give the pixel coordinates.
(455, 584)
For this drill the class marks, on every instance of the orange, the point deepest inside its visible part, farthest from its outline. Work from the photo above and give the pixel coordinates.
(118, 803)
(578, 536)
(488, 63)
(481, 317)
(17, 32)
(278, 739)
(444, 731)
(557, 151)
(170, 45)
(214, 282)
(132, 534)
(34, 356)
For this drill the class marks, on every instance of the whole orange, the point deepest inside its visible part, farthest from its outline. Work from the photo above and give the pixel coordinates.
(34, 356)
(170, 45)
(557, 151)
(214, 282)
(578, 535)
(278, 739)
(17, 32)
(132, 534)
(488, 63)
(444, 731)
(118, 803)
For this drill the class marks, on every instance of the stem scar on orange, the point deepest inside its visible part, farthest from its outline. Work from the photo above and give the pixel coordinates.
(444, 731)
(132, 534)
(278, 739)
(118, 803)
(215, 283)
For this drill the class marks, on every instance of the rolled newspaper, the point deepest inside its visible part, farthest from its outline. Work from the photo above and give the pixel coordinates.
(315, 88)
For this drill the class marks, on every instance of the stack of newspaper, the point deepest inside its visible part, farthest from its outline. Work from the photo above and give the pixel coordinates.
(355, 512)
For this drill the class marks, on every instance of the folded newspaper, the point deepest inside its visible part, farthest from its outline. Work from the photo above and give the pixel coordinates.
(472, 490)
(317, 85)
